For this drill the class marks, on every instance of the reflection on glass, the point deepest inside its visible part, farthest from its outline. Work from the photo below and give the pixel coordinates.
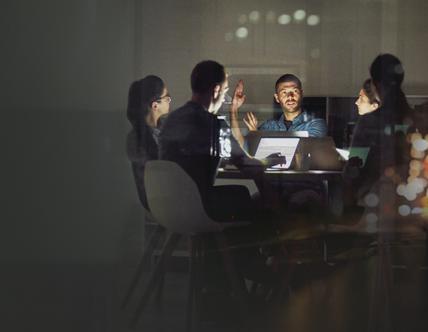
(313, 20)
(284, 19)
(299, 15)
(254, 16)
(242, 32)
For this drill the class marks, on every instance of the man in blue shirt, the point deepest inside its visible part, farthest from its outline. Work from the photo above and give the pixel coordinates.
(289, 95)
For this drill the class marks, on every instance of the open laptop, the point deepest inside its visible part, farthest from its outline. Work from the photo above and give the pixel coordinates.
(285, 146)
(253, 138)
(321, 150)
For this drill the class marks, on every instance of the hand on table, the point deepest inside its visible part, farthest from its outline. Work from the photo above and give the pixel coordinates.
(275, 159)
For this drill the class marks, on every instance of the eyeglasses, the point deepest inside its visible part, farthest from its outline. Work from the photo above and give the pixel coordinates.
(166, 97)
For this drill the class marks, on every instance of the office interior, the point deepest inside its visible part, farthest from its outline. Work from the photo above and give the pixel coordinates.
(73, 228)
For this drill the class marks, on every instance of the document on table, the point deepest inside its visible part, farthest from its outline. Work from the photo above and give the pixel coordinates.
(360, 152)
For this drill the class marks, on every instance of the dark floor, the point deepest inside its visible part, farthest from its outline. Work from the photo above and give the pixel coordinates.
(386, 291)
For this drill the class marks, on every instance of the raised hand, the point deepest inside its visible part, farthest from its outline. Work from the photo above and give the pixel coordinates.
(250, 121)
(237, 101)
(238, 96)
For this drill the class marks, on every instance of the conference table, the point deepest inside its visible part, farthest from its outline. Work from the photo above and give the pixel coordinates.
(332, 181)
(286, 175)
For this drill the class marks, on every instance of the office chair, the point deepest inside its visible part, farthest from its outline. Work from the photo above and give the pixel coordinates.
(155, 237)
(176, 204)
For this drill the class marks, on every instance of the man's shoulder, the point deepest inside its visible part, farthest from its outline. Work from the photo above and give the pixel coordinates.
(311, 118)
(188, 107)
(316, 127)
(191, 108)
(183, 113)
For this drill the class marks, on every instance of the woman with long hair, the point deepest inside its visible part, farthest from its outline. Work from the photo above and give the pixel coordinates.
(148, 102)
(367, 101)
(381, 130)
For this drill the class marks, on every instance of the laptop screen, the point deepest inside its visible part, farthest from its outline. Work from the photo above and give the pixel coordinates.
(286, 146)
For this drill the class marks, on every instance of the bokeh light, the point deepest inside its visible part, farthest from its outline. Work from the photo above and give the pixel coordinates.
(299, 15)
(420, 145)
(284, 19)
(401, 189)
(419, 184)
(410, 196)
(416, 154)
(410, 178)
(413, 172)
(404, 210)
(415, 136)
(313, 20)
(416, 164)
(371, 200)
(254, 16)
(242, 32)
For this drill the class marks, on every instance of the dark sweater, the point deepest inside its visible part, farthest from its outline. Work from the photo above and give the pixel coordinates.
(139, 152)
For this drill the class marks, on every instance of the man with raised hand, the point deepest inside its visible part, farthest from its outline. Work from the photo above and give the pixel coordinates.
(190, 137)
(289, 95)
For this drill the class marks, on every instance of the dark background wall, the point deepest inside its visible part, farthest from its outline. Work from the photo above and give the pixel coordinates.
(70, 219)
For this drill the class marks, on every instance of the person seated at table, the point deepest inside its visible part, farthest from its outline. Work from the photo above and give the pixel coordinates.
(289, 95)
(367, 101)
(382, 131)
(148, 103)
(190, 137)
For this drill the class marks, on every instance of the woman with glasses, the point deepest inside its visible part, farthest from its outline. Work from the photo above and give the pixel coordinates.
(148, 103)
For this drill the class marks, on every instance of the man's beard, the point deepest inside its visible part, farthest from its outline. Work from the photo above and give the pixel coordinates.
(295, 109)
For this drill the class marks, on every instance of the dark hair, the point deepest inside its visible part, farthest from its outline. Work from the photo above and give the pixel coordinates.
(386, 70)
(387, 74)
(369, 91)
(206, 75)
(288, 78)
(142, 94)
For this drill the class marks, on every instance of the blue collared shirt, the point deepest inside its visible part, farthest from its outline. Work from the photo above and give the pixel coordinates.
(303, 122)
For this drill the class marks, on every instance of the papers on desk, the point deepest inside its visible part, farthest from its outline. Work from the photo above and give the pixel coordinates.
(360, 152)
(343, 153)
(286, 146)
